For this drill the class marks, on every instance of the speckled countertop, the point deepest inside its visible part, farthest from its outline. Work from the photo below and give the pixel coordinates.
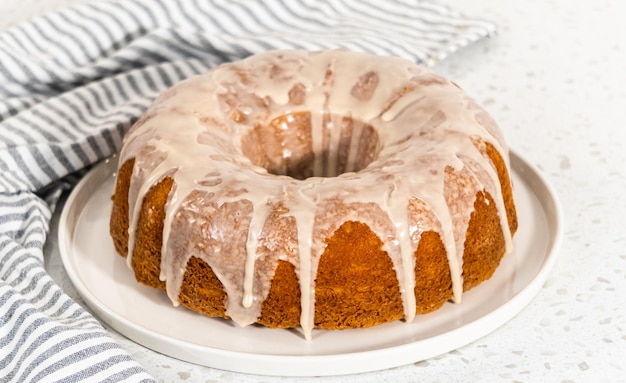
(554, 78)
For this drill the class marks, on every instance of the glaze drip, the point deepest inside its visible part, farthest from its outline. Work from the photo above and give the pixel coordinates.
(306, 135)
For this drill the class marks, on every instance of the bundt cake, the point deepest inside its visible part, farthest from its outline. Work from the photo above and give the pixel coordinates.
(325, 189)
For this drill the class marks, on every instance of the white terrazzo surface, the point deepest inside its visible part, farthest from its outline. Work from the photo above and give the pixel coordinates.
(554, 78)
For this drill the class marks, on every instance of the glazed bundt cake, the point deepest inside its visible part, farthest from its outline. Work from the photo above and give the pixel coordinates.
(326, 189)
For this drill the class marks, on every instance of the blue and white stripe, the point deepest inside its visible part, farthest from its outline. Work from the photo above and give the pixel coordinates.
(73, 82)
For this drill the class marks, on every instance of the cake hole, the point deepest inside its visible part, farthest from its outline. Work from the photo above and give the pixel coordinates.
(285, 145)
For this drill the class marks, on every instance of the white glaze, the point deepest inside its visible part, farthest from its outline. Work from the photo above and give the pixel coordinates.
(194, 135)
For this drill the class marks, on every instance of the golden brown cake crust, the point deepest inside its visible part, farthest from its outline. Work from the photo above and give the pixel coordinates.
(348, 294)
(356, 285)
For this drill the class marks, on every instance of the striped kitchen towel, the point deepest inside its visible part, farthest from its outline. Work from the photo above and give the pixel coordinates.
(72, 83)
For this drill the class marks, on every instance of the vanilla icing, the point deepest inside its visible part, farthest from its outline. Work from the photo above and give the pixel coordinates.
(426, 131)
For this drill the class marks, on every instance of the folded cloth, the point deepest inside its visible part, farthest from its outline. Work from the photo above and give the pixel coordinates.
(72, 83)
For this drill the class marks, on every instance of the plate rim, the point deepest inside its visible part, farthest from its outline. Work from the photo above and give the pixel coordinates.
(327, 364)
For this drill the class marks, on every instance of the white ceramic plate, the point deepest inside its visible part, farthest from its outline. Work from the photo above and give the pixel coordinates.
(147, 316)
